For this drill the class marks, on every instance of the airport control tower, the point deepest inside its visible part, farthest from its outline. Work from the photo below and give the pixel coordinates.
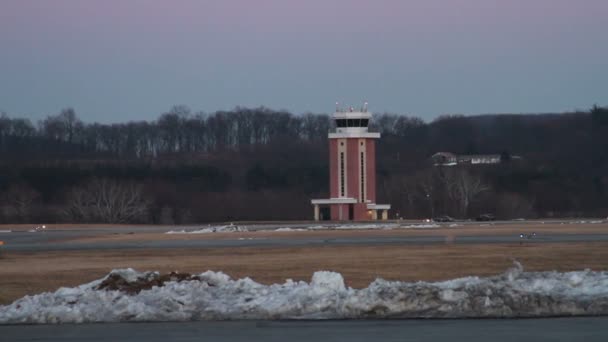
(352, 170)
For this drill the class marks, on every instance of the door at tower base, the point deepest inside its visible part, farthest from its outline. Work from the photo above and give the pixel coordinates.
(350, 212)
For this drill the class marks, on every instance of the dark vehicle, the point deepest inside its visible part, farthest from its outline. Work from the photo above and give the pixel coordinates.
(485, 217)
(527, 236)
(444, 218)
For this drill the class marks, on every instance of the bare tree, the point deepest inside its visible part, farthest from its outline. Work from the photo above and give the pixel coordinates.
(513, 205)
(463, 187)
(425, 186)
(104, 200)
(401, 191)
(19, 199)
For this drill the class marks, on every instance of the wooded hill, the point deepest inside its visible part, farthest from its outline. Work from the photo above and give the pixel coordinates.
(261, 164)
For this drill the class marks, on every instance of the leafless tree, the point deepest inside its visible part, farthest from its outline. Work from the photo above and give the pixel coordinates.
(103, 200)
(513, 205)
(64, 126)
(19, 199)
(401, 192)
(427, 187)
(463, 187)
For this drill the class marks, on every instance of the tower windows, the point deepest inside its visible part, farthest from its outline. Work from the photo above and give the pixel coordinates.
(343, 123)
(342, 178)
(362, 192)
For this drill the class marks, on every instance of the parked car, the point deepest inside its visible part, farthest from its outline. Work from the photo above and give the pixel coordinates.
(444, 218)
(485, 217)
(527, 236)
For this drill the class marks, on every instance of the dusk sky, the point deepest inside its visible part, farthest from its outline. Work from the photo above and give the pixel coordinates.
(120, 60)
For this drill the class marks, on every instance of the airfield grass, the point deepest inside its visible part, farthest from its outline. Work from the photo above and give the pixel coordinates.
(27, 273)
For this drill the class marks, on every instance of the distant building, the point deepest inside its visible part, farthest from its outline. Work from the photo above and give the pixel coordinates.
(451, 159)
(444, 159)
(352, 168)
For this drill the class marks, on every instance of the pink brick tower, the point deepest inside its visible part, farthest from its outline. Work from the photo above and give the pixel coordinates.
(352, 170)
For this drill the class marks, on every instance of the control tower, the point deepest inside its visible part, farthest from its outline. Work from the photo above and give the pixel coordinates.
(352, 170)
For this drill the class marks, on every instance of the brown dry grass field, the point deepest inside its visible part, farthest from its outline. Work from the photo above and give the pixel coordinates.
(35, 272)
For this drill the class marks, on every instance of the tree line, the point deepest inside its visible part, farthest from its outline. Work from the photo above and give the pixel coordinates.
(262, 164)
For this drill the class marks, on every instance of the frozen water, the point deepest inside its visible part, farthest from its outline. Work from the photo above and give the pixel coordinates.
(214, 295)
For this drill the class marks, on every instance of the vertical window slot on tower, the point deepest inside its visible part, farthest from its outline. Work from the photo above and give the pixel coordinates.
(342, 174)
(362, 177)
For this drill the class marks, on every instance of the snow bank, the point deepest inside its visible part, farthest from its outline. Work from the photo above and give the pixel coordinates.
(215, 296)
(287, 229)
(366, 226)
(584, 222)
(357, 226)
(5, 231)
(354, 226)
(212, 229)
(418, 226)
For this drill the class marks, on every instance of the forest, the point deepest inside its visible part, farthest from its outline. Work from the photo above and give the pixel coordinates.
(190, 167)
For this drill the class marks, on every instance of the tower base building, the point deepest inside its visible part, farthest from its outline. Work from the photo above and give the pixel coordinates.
(352, 171)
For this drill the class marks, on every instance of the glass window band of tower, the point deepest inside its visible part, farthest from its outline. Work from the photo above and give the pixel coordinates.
(352, 123)
(362, 176)
(342, 178)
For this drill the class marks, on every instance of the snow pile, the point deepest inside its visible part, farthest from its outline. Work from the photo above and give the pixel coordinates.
(385, 226)
(287, 229)
(367, 226)
(584, 222)
(127, 295)
(231, 228)
(418, 226)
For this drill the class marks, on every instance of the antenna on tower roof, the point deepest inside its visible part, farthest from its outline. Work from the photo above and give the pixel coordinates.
(337, 106)
(365, 107)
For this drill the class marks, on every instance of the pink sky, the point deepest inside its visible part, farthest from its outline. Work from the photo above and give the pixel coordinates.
(537, 55)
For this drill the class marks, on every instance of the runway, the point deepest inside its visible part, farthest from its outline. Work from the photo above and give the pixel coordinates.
(589, 329)
(136, 237)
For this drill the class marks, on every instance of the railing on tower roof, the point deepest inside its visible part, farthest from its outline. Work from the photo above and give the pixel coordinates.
(351, 109)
